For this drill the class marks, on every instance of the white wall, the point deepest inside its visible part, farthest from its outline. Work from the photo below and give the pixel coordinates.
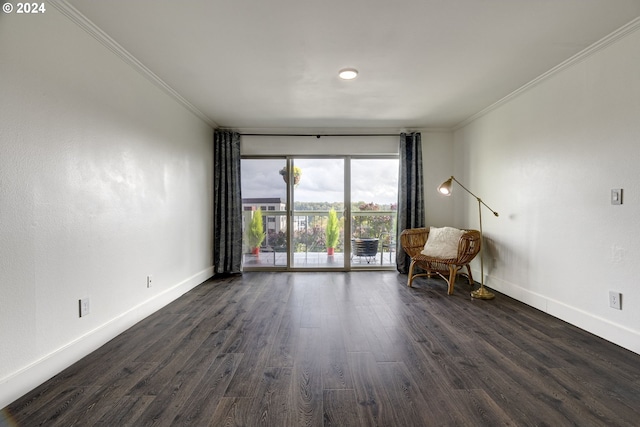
(310, 145)
(546, 161)
(104, 179)
(437, 162)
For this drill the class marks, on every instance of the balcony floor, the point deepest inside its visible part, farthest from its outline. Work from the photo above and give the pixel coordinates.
(318, 260)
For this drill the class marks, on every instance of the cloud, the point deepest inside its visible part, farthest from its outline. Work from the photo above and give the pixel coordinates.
(372, 180)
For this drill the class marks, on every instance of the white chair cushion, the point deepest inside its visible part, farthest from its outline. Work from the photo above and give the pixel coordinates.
(442, 242)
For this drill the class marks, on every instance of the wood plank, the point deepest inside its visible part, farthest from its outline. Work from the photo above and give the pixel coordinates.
(604, 400)
(255, 338)
(333, 354)
(340, 408)
(64, 409)
(435, 383)
(271, 405)
(113, 385)
(124, 412)
(380, 344)
(405, 398)
(476, 408)
(312, 304)
(283, 350)
(359, 348)
(374, 406)
(199, 408)
(184, 377)
(200, 341)
(306, 382)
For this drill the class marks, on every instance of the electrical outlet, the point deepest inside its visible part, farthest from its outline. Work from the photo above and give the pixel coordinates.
(149, 281)
(616, 196)
(84, 306)
(615, 300)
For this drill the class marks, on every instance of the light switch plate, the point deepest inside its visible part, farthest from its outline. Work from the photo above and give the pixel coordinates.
(616, 196)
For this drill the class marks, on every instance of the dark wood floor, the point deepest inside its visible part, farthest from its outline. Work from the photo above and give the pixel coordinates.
(343, 349)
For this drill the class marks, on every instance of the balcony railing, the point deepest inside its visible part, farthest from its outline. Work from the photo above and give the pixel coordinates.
(308, 232)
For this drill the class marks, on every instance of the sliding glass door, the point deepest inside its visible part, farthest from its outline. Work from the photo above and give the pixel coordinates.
(264, 208)
(319, 213)
(373, 208)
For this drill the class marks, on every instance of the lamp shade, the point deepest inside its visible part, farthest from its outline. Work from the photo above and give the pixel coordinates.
(445, 187)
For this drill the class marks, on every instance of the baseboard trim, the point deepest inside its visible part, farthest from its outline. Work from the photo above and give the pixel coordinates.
(603, 328)
(19, 383)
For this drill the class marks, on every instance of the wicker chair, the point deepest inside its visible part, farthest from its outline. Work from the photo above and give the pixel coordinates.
(413, 241)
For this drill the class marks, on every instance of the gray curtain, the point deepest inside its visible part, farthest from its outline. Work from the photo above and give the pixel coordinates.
(227, 203)
(410, 192)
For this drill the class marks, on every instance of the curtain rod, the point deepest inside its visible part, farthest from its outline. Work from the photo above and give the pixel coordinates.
(320, 135)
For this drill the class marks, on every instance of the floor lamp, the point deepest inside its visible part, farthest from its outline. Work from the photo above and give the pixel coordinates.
(445, 188)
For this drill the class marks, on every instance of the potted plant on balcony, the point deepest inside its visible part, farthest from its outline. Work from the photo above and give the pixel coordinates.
(332, 232)
(255, 232)
(297, 173)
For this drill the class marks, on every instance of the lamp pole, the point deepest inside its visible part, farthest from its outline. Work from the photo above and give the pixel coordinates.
(482, 293)
(445, 189)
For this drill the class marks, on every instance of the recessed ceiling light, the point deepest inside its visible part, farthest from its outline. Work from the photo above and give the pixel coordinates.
(348, 73)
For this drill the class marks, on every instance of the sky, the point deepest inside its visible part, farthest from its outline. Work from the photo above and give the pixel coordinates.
(322, 180)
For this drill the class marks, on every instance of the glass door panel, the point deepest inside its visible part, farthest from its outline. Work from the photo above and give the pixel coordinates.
(374, 202)
(311, 234)
(264, 212)
(318, 207)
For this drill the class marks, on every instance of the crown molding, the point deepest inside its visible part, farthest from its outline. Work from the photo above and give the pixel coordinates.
(83, 22)
(616, 35)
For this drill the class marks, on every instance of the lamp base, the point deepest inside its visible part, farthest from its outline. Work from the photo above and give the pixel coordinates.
(482, 293)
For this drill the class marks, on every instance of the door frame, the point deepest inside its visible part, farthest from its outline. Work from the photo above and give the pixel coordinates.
(347, 213)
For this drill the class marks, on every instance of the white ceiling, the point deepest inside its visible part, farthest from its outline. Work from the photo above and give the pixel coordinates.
(258, 64)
